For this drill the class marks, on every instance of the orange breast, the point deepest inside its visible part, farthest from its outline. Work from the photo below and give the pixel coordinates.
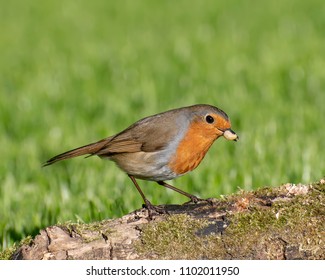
(192, 149)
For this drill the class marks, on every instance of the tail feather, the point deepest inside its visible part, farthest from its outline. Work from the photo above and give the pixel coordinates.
(89, 149)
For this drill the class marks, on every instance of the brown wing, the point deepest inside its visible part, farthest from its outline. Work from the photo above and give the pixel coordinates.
(149, 135)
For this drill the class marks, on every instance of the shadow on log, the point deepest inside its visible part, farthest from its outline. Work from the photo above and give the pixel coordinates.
(286, 222)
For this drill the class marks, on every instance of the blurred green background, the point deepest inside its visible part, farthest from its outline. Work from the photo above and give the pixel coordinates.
(73, 72)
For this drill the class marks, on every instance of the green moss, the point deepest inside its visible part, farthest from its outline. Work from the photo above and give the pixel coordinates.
(299, 221)
(173, 238)
(7, 254)
(88, 232)
(248, 232)
(290, 227)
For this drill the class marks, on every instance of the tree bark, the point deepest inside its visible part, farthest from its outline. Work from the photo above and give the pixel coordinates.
(285, 222)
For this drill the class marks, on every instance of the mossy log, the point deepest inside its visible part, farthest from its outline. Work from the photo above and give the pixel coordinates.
(285, 222)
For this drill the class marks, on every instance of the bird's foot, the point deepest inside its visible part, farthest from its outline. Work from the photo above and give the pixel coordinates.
(195, 199)
(154, 210)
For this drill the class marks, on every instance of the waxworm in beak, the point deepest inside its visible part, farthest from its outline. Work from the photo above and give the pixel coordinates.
(230, 135)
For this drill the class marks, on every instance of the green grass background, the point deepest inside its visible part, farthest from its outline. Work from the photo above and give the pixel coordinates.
(73, 72)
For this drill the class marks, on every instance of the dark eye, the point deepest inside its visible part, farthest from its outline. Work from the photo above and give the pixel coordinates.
(209, 119)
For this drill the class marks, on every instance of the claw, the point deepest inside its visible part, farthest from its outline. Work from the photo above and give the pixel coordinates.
(152, 209)
(195, 199)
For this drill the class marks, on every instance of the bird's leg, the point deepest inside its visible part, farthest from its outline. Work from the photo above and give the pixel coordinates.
(192, 197)
(151, 208)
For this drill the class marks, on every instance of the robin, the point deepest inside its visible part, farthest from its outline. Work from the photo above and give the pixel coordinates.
(161, 147)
